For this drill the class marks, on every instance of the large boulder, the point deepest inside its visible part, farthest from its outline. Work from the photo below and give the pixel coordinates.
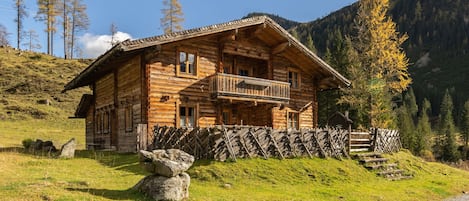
(168, 163)
(68, 149)
(165, 188)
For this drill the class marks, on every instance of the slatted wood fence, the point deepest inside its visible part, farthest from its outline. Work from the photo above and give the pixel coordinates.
(232, 142)
(385, 141)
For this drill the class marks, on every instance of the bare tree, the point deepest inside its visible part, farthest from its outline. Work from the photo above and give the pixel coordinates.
(4, 36)
(65, 12)
(47, 12)
(79, 22)
(33, 41)
(113, 30)
(173, 16)
(21, 13)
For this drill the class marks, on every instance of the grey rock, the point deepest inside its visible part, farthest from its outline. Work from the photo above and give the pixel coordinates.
(169, 163)
(165, 188)
(68, 149)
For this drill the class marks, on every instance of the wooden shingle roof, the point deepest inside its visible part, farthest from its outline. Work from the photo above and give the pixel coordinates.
(86, 76)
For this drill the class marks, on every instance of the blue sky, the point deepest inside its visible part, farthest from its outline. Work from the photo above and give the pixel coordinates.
(141, 18)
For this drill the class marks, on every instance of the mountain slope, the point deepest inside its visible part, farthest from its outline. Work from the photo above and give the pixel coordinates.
(438, 44)
(31, 85)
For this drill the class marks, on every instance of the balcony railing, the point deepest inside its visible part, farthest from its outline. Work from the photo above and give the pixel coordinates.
(227, 86)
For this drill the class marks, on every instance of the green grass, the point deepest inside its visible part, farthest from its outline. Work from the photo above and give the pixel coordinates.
(110, 176)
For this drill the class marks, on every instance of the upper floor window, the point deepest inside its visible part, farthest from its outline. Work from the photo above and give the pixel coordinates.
(294, 79)
(187, 63)
(243, 72)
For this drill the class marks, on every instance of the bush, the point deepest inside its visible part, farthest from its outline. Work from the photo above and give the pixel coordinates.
(27, 143)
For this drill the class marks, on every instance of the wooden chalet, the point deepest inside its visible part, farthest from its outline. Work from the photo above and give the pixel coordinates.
(245, 72)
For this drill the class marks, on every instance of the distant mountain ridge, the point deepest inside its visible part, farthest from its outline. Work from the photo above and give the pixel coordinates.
(438, 44)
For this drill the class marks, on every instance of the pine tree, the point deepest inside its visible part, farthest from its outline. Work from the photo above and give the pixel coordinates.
(407, 129)
(424, 129)
(382, 62)
(173, 16)
(294, 33)
(446, 144)
(465, 127)
(21, 13)
(310, 44)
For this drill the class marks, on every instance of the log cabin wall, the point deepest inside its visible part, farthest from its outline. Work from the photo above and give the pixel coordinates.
(89, 126)
(104, 106)
(129, 103)
(168, 92)
(302, 100)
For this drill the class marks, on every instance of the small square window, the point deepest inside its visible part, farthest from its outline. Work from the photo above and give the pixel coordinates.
(187, 64)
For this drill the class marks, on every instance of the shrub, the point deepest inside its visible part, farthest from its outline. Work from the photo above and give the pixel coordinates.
(27, 143)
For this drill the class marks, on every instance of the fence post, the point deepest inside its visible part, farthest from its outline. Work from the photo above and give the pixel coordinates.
(349, 144)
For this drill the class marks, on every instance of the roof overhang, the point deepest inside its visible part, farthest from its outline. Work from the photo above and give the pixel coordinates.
(329, 78)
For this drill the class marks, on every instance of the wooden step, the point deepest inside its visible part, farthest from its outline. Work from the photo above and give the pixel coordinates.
(402, 177)
(369, 154)
(359, 150)
(381, 166)
(360, 140)
(373, 160)
(390, 172)
(360, 145)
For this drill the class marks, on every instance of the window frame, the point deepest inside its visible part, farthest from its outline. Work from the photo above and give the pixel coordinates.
(195, 114)
(128, 118)
(106, 125)
(99, 122)
(297, 115)
(187, 51)
(298, 78)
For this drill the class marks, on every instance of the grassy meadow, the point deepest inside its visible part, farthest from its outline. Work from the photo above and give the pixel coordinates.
(110, 176)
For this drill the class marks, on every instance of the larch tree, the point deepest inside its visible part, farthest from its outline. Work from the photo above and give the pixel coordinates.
(172, 16)
(382, 61)
(47, 13)
(64, 14)
(79, 21)
(21, 13)
(32, 42)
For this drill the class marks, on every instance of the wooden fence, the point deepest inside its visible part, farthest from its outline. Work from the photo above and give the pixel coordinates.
(232, 142)
(385, 141)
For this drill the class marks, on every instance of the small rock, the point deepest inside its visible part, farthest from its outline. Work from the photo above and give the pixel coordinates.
(68, 149)
(227, 186)
(165, 188)
(43, 102)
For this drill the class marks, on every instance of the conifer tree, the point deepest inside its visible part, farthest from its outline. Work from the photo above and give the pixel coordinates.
(446, 144)
(424, 130)
(406, 114)
(173, 16)
(465, 127)
(382, 62)
(20, 9)
(310, 44)
(47, 13)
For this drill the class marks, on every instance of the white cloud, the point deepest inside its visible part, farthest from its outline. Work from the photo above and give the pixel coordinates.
(95, 45)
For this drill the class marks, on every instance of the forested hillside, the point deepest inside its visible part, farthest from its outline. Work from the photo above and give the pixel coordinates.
(438, 44)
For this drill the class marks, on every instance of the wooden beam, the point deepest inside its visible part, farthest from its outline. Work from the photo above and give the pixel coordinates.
(230, 36)
(280, 47)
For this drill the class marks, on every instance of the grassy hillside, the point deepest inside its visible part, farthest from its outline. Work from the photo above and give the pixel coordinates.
(109, 176)
(28, 78)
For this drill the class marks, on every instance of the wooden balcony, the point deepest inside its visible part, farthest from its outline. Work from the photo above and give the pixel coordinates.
(235, 87)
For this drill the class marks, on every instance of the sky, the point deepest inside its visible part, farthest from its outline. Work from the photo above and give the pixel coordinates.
(141, 18)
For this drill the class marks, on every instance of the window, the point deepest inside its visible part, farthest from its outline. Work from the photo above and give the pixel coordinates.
(99, 123)
(128, 119)
(294, 79)
(226, 115)
(106, 124)
(243, 72)
(187, 63)
(186, 116)
(293, 120)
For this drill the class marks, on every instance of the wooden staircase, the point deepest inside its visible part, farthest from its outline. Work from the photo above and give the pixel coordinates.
(377, 163)
(360, 141)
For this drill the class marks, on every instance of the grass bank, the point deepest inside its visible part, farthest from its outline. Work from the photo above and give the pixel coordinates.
(109, 176)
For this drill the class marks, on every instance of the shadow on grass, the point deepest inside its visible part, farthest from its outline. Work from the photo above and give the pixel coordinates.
(119, 161)
(128, 194)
